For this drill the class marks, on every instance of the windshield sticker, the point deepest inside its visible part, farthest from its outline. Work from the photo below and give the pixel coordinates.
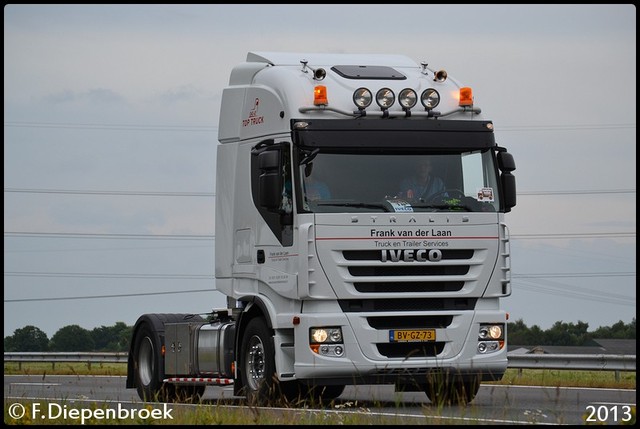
(400, 206)
(485, 194)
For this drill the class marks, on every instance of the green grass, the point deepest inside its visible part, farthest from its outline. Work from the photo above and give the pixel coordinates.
(565, 378)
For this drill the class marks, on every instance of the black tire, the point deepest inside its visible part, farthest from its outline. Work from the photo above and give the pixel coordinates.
(257, 364)
(258, 372)
(452, 392)
(147, 364)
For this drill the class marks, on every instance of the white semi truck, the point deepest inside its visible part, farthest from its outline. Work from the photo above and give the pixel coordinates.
(334, 274)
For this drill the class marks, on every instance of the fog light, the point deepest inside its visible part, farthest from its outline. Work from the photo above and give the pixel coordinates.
(488, 346)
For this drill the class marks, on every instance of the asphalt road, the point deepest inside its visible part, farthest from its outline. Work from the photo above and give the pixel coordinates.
(492, 405)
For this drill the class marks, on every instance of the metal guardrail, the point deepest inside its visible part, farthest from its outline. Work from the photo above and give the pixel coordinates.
(78, 357)
(573, 362)
(95, 357)
(592, 362)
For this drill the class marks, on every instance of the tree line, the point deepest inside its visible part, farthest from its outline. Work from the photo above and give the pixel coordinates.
(73, 338)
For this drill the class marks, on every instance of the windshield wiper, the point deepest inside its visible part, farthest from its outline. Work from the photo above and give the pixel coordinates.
(446, 207)
(359, 205)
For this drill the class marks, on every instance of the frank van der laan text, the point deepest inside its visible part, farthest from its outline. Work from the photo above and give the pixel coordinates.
(415, 233)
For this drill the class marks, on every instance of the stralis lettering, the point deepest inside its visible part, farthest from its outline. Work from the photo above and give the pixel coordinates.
(411, 255)
(417, 233)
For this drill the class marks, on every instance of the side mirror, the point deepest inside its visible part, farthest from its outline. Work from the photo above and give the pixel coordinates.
(506, 161)
(509, 190)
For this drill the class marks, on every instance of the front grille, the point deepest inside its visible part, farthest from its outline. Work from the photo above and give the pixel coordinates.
(409, 322)
(403, 304)
(395, 289)
(410, 350)
(409, 270)
(375, 255)
(407, 287)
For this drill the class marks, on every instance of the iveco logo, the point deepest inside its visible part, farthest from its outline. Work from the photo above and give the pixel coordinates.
(410, 255)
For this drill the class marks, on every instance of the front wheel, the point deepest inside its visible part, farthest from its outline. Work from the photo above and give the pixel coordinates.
(257, 362)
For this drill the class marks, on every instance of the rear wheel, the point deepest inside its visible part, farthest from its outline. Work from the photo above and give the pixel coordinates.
(146, 360)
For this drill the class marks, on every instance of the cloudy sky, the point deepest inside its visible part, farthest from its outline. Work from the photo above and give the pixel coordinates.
(110, 134)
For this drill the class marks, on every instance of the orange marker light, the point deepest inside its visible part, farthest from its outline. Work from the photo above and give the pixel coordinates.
(466, 96)
(320, 95)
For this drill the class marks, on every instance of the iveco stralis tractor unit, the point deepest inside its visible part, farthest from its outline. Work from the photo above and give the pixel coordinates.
(335, 272)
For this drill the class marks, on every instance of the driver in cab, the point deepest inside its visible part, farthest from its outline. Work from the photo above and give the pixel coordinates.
(422, 184)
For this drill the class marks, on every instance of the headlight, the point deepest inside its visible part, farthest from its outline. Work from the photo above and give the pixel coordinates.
(490, 332)
(319, 335)
(326, 341)
(325, 335)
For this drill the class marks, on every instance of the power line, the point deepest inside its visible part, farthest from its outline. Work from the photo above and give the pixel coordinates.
(90, 192)
(155, 127)
(211, 277)
(552, 275)
(552, 288)
(572, 235)
(578, 127)
(110, 275)
(107, 296)
(211, 194)
(212, 237)
(560, 289)
(583, 192)
(114, 127)
(110, 249)
(108, 236)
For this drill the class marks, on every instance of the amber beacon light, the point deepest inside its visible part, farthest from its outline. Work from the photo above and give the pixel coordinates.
(466, 97)
(320, 95)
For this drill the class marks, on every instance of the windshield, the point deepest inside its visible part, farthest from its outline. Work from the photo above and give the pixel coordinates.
(406, 182)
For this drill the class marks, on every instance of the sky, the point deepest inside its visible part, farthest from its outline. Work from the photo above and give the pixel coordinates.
(110, 136)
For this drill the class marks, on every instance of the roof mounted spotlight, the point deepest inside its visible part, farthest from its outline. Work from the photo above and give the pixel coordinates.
(385, 98)
(424, 67)
(440, 76)
(362, 98)
(318, 74)
(430, 98)
(408, 98)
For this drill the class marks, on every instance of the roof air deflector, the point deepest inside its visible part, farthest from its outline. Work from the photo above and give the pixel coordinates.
(369, 72)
